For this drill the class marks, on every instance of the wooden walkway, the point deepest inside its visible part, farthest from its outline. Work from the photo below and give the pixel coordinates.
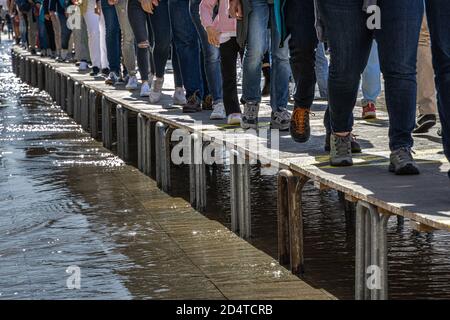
(376, 193)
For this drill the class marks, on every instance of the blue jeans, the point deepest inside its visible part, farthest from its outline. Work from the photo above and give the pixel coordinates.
(65, 32)
(258, 20)
(438, 13)
(187, 45)
(371, 77)
(211, 55)
(322, 70)
(113, 38)
(351, 41)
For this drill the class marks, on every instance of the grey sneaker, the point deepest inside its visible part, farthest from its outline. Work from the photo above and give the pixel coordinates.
(250, 116)
(402, 162)
(280, 120)
(341, 151)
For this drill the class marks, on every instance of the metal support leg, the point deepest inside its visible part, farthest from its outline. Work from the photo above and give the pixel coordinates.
(77, 102)
(240, 195)
(70, 97)
(371, 253)
(290, 220)
(41, 75)
(33, 79)
(58, 88)
(122, 133)
(28, 71)
(94, 106)
(63, 95)
(84, 107)
(107, 133)
(197, 174)
(162, 148)
(140, 142)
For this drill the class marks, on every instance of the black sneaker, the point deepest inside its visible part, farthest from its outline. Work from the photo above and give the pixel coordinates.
(95, 71)
(207, 103)
(424, 123)
(356, 148)
(402, 162)
(193, 104)
(105, 72)
(299, 125)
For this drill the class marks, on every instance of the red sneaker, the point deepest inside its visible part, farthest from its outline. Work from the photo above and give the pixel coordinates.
(369, 111)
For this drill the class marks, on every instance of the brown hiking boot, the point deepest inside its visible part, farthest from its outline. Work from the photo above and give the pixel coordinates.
(299, 126)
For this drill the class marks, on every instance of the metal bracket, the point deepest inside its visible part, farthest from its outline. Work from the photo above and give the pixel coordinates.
(197, 174)
(107, 128)
(371, 253)
(77, 102)
(290, 220)
(240, 194)
(162, 150)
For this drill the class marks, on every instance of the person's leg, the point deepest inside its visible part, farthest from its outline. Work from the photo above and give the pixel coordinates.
(426, 88)
(50, 36)
(162, 36)
(228, 56)
(302, 44)
(322, 71)
(128, 43)
(349, 42)
(438, 13)
(397, 46)
(138, 22)
(257, 21)
(103, 49)
(57, 31)
(188, 49)
(32, 29)
(303, 41)
(112, 37)
(80, 41)
(254, 52)
(211, 55)
(280, 75)
(93, 28)
(65, 35)
(371, 84)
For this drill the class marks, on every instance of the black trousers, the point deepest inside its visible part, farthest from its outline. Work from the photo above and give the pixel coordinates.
(300, 18)
(229, 52)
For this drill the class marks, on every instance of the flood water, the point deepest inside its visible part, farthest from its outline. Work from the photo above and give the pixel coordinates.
(61, 204)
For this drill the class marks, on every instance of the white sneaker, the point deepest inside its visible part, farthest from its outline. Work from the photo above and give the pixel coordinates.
(179, 97)
(132, 83)
(218, 112)
(83, 66)
(234, 119)
(145, 89)
(156, 92)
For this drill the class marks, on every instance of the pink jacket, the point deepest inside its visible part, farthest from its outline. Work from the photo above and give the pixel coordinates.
(222, 22)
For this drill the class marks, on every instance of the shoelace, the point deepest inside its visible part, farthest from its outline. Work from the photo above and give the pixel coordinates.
(342, 147)
(299, 117)
(193, 98)
(405, 154)
(252, 110)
